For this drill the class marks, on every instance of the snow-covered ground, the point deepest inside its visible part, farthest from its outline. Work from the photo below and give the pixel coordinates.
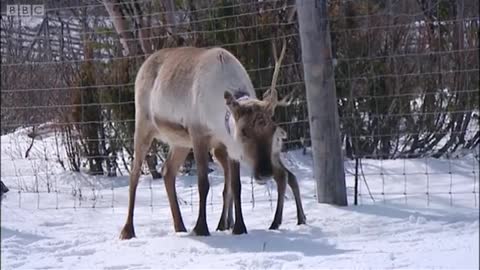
(63, 230)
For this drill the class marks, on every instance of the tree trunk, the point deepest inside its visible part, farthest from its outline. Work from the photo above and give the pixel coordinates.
(169, 6)
(144, 29)
(121, 27)
(322, 102)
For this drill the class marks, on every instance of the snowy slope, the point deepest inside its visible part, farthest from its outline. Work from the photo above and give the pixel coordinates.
(416, 231)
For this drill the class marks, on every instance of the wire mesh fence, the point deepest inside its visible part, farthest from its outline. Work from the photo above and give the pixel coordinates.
(406, 76)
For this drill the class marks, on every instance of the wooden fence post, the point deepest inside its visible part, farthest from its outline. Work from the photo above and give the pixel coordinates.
(321, 101)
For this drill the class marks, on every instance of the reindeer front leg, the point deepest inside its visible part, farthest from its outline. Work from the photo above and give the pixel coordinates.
(280, 178)
(292, 182)
(200, 153)
(226, 219)
(234, 168)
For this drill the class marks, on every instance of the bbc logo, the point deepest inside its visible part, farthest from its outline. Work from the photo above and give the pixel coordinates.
(25, 10)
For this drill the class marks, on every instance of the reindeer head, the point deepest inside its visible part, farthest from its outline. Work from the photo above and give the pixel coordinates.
(256, 130)
(257, 133)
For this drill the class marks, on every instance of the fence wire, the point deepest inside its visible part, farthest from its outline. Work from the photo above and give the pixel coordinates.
(406, 76)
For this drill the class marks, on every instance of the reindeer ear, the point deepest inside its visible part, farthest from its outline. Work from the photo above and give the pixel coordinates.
(231, 102)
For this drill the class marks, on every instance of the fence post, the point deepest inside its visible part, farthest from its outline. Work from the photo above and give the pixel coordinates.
(323, 117)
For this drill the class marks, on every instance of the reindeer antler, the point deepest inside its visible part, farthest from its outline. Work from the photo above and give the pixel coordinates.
(278, 62)
(288, 99)
(272, 93)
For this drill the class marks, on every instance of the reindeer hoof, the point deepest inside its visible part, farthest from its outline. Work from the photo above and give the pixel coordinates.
(221, 227)
(239, 228)
(180, 228)
(274, 226)
(224, 225)
(127, 232)
(201, 230)
(302, 221)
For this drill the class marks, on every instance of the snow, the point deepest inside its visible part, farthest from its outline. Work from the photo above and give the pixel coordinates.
(60, 230)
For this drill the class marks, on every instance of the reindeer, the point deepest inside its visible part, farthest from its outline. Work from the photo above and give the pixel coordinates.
(204, 99)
